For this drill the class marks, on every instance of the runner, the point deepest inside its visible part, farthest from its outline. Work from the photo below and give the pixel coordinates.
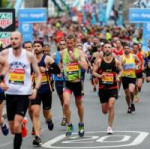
(118, 51)
(19, 89)
(73, 60)
(4, 128)
(129, 77)
(147, 63)
(47, 66)
(28, 46)
(139, 70)
(105, 69)
(59, 79)
(3, 125)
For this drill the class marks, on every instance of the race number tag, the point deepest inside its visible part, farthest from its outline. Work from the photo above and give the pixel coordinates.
(72, 67)
(108, 78)
(17, 76)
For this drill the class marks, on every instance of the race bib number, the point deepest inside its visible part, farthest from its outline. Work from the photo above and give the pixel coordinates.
(17, 76)
(72, 67)
(108, 79)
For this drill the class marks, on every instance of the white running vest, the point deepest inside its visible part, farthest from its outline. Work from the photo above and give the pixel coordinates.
(18, 78)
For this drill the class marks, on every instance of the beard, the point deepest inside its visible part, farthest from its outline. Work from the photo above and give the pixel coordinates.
(126, 52)
(38, 52)
(107, 53)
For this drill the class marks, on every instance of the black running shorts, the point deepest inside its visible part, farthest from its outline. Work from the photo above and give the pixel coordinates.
(16, 105)
(126, 81)
(76, 88)
(45, 98)
(105, 95)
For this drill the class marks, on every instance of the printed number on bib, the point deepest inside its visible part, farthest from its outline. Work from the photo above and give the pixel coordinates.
(17, 76)
(108, 78)
(72, 67)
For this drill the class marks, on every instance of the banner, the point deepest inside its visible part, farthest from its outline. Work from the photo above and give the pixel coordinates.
(146, 36)
(7, 20)
(32, 15)
(27, 31)
(139, 15)
(5, 38)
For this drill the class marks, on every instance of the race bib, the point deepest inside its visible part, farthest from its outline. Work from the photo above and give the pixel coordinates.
(148, 64)
(73, 71)
(44, 78)
(129, 73)
(72, 67)
(17, 76)
(129, 66)
(108, 78)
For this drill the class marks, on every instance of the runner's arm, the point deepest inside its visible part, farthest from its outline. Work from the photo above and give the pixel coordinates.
(53, 68)
(82, 61)
(119, 66)
(4, 67)
(95, 69)
(36, 72)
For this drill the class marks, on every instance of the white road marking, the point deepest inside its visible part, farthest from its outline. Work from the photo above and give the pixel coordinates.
(124, 139)
(138, 140)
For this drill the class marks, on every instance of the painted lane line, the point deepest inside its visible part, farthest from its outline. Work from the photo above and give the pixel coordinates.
(124, 139)
(138, 140)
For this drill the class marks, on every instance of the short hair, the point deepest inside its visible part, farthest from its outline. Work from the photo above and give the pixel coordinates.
(71, 36)
(26, 43)
(39, 42)
(135, 44)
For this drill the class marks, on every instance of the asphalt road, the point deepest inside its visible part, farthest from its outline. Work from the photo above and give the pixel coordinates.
(131, 131)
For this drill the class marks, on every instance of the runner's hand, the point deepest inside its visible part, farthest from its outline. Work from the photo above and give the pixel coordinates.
(3, 86)
(118, 78)
(33, 94)
(102, 75)
(59, 75)
(42, 69)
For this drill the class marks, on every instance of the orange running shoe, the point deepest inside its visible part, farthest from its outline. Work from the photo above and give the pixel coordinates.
(24, 130)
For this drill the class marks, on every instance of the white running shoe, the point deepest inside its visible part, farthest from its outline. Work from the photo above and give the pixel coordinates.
(109, 131)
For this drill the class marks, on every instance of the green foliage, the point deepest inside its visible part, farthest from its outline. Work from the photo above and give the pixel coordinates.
(6, 3)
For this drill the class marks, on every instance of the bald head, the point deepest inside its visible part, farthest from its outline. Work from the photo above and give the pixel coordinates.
(16, 33)
(16, 40)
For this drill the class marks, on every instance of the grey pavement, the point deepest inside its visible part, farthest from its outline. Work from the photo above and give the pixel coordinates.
(131, 131)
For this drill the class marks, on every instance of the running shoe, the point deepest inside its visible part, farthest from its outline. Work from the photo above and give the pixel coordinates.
(50, 125)
(81, 129)
(129, 110)
(5, 130)
(24, 130)
(64, 121)
(37, 141)
(132, 107)
(69, 130)
(109, 131)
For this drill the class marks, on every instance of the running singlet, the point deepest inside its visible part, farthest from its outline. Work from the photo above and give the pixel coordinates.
(139, 55)
(118, 53)
(129, 67)
(18, 78)
(72, 70)
(45, 77)
(147, 60)
(109, 80)
(57, 61)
